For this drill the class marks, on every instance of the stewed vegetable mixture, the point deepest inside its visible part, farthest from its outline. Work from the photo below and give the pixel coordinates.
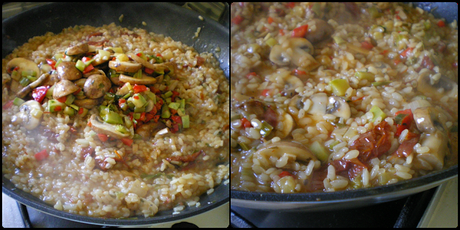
(340, 96)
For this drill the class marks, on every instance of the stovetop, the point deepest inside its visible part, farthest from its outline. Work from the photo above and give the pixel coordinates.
(437, 207)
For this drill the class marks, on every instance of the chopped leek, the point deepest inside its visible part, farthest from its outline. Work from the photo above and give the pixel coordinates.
(18, 101)
(186, 121)
(80, 65)
(265, 129)
(339, 86)
(378, 113)
(320, 151)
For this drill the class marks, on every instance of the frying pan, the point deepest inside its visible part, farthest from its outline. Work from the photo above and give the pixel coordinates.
(161, 18)
(359, 197)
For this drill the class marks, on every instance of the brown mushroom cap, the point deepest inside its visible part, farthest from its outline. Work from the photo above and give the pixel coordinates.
(81, 48)
(96, 86)
(64, 88)
(67, 71)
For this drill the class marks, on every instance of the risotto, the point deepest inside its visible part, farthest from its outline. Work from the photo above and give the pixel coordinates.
(114, 123)
(340, 96)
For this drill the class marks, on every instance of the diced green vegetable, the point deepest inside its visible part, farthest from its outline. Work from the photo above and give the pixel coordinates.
(320, 151)
(70, 99)
(185, 121)
(316, 8)
(265, 129)
(26, 73)
(138, 100)
(338, 40)
(378, 113)
(339, 86)
(55, 106)
(18, 101)
(271, 42)
(174, 105)
(138, 74)
(24, 81)
(374, 12)
(31, 78)
(167, 94)
(121, 129)
(80, 65)
(82, 111)
(365, 75)
(69, 111)
(112, 118)
(244, 146)
(165, 112)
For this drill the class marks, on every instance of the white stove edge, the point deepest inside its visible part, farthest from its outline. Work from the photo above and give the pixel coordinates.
(442, 211)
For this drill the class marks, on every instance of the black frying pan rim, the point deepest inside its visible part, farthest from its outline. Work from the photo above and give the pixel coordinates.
(219, 197)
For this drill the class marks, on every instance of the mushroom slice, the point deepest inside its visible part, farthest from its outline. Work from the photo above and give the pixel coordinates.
(436, 142)
(96, 86)
(141, 60)
(145, 80)
(279, 57)
(99, 126)
(319, 104)
(429, 119)
(288, 124)
(67, 71)
(302, 53)
(87, 103)
(24, 91)
(30, 115)
(81, 48)
(23, 64)
(339, 107)
(434, 88)
(64, 88)
(123, 66)
(146, 130)
(293, 150)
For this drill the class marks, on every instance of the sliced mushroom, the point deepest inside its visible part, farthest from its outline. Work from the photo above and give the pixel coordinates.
(288, 125)
(145, 80)
(148, 129)
(67, 71)
(141, 61)
(434, 88)
(298, 51)
(278, 149)
(79, 49)
(87, 103)
(123, 66)
(436, 142)
(323, 32)
(429, 119)
(278, 56)
(30, 115)
(24, 91)
(99, 126)
(339, 107)
(64, 88)
(319, 104)
(23, 64)
(96, 86)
